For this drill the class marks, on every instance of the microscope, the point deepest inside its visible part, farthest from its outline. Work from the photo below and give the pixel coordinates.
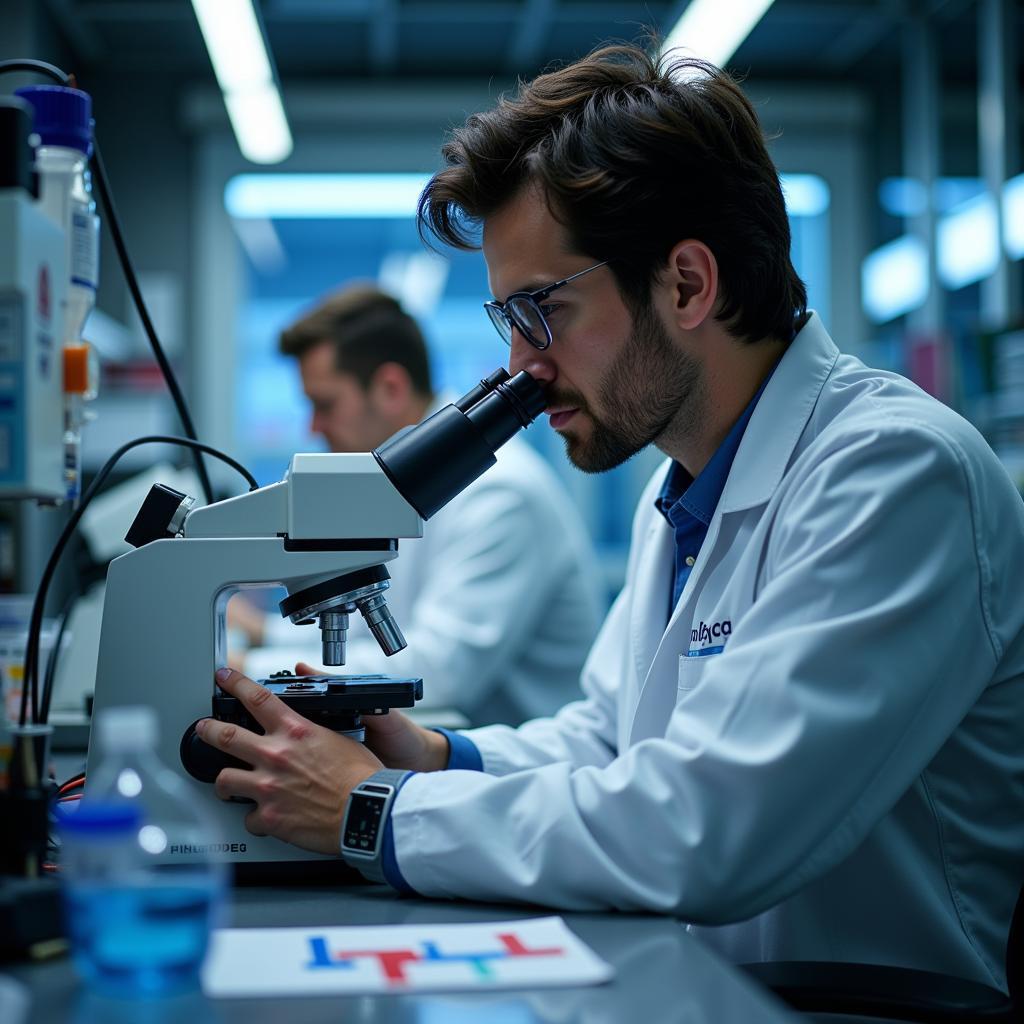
(325, 534)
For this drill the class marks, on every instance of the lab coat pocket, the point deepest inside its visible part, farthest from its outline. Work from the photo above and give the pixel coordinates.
(691, 672)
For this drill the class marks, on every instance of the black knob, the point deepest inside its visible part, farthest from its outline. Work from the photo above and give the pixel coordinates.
(202, 761)
(159, 516)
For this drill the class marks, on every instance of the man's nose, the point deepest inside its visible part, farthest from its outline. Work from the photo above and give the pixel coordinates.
(523, 356)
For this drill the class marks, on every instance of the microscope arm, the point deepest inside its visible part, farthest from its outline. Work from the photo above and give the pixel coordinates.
(323, 496)
(262, 513)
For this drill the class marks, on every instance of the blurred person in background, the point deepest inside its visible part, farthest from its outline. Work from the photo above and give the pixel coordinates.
(499, 599)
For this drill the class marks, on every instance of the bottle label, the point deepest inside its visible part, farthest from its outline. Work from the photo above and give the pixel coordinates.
(85, 246)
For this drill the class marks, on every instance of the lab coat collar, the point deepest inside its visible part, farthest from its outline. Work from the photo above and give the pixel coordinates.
(780, 418)
(775, 427)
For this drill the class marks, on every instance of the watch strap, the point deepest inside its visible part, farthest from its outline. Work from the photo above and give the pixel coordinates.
(371, 864)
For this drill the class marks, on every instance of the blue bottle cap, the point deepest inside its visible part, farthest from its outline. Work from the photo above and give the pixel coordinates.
(93, 817)
(63, 116)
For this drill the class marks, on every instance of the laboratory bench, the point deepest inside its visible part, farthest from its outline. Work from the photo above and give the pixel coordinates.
(663, 975)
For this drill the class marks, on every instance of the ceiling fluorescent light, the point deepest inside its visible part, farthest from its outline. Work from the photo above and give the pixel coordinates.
(282, 196)
(894, 279)
(714, 29)
(245, 74)
(260, 126)
(967, 242)
(1013, 217)
(235, 43)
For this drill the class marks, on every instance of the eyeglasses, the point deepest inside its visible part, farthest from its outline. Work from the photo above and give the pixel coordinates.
(522, 311)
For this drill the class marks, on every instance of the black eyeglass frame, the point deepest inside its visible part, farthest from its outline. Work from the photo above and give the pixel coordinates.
(499, 314)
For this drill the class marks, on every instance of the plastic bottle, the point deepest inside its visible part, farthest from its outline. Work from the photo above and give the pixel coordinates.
(138, 925)
(63, 123)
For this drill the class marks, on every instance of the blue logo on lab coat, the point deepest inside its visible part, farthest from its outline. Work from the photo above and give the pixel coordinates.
(709, 638)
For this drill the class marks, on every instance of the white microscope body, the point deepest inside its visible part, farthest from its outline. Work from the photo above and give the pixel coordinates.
(164, 633)
(324, 533)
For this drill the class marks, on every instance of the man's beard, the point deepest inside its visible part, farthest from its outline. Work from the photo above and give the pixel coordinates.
(648, 388)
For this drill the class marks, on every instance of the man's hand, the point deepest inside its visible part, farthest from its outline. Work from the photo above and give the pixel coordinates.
(301, 775)
(398, 741)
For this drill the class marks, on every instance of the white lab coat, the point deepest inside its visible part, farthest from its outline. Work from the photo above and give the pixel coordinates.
(845, 779)
(499, 600)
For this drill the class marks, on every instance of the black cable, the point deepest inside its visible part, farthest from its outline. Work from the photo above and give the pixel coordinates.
(114, 223)
(51, 665)
(30, 682)
(39, 66)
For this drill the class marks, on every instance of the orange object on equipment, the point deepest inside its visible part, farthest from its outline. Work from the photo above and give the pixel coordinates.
(76, 369)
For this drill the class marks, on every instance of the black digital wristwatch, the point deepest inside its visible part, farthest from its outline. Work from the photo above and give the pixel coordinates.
(362, 830)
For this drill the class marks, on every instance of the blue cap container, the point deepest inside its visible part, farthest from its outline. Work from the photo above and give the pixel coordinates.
(99, 818)
(63, 116)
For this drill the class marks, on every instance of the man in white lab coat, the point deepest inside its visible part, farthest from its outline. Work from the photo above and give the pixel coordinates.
(499, 600)
(801, 730)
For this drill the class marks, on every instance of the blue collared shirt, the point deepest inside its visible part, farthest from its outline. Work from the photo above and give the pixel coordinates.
(688, 504)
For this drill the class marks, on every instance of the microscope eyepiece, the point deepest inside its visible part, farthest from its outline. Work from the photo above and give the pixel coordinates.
(513, 404)
(484, 388)
(440, 457)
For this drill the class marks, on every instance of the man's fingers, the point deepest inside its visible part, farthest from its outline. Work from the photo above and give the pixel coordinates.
(303, 668)
(392, 723)
(230, 738)
(269, 710)
(236, 782)
(254, 824)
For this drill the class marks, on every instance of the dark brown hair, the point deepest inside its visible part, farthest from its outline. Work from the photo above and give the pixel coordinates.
(367, 328)
(634, 154)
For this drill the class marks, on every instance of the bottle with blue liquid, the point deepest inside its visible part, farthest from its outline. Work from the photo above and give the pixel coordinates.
(138, 925)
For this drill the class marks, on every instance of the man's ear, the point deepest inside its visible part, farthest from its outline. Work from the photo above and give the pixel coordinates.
(391, 388)
(692, 274)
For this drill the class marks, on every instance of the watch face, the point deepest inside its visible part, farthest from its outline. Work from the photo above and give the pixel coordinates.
(362, 825)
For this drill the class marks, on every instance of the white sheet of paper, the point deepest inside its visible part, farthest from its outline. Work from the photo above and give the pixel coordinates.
(535, 953)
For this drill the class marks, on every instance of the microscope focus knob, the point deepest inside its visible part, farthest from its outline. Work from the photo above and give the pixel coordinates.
(202, 761)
